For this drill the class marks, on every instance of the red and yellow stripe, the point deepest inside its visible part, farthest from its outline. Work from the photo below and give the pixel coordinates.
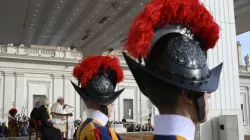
(93, 130)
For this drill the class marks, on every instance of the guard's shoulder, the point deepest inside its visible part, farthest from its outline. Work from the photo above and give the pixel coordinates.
(102, 132)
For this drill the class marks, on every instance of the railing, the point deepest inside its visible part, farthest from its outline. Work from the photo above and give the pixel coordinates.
(40, 53)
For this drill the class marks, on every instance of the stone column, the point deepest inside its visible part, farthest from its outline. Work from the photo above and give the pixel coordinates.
(58, 86)
(77, 102)
(9, 91)
(51, 96)
(20, 95)
(239, 53)
(226, 100)
(68, 94)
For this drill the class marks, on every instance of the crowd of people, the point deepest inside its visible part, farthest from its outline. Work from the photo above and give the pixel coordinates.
(133, 126)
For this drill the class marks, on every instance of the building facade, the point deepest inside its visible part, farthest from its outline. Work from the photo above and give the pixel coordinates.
(26, 74)
(244, 74)
(226, 100)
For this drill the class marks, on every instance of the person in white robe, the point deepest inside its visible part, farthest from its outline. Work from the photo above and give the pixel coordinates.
(60, 121)
(59, 107)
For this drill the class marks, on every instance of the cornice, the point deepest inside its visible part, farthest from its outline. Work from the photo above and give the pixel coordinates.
(19, 74)
(38, 60)
(8, 73)
(67, 76)
(57, 76)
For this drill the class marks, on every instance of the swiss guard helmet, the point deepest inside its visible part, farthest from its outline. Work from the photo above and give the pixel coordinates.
(97, 79)
(172, 37)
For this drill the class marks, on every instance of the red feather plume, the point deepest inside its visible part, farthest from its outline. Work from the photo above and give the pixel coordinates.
(187, 13)
(13, 110)
(89, 67)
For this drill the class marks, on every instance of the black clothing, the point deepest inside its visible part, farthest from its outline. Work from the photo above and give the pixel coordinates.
(3, 131)
(33, 113)
(46, 128)
(124, 120)
(32, 117)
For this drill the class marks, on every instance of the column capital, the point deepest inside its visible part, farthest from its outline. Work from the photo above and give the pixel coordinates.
(8, 73)
(19, 74)
(57, 76)
(67, 76)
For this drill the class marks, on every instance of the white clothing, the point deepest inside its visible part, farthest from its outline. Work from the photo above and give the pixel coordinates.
(174, 125)
(58, 108)
(97, 115)
(59, 122)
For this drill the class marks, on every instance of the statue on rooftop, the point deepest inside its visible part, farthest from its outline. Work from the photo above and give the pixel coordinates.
(246, 58)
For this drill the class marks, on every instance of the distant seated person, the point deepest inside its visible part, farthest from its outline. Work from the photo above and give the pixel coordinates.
(33, 113)
(44, 124)
(60, 121)
(3, 130)
(59, 108)
(24, 129)
(124, 120)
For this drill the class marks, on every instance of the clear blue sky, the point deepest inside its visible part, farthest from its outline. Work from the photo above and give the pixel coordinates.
(245, 44)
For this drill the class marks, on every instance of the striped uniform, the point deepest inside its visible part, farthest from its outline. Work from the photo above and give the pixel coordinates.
(93, 130)
(158, 137)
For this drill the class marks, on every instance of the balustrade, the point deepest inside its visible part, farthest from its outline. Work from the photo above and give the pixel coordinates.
(68, 54)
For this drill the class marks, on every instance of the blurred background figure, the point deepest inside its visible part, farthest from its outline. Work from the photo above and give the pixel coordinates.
(44, 123)
(33, 113)
(3, 130)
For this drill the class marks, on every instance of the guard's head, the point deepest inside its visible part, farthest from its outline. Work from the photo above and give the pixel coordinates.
(95, 106)
(97, 79)
(173, 41)
(170, 99)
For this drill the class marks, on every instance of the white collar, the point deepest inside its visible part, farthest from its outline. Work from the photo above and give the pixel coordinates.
(174, 125)
(97, 115)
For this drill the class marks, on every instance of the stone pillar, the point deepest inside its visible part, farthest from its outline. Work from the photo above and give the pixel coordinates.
(20, 95)
(9, 91)
(51, 96)
(239, 53)
(68, 98)
(1, 93)
(77, 103)
(226, 100)
(58, 87)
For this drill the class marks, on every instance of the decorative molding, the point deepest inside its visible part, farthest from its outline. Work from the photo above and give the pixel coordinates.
(9, 73)
(34, 60)
(47, 83)
(19, 74)
(39, 52)
(58, 76)
(38, 82)
(68, 77)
